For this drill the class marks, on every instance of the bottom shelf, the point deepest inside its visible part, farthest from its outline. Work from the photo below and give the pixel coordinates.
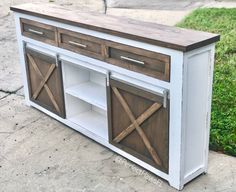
(92, 121)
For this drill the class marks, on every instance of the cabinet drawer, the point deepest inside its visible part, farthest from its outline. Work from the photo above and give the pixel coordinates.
(139, 60)
(80, 43)
(39, 31)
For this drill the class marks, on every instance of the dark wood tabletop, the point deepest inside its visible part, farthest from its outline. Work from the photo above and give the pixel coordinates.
(156, 34)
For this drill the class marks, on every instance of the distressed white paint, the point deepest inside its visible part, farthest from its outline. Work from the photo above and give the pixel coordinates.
(198, 76)
(193, 69)
(196, 113)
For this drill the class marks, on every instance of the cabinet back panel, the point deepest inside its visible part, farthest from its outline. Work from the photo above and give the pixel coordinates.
(74, 75)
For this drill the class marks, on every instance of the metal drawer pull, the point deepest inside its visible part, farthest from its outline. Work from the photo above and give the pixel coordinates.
(78, 44)
(36, 32)
(133, 60)
(165, 98)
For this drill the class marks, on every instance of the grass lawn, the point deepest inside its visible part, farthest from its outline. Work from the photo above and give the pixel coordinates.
(223, 119)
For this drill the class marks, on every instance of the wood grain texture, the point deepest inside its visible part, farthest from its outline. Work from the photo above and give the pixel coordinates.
(30, 29)
(80, 43)
(154, 64)
(141, 133)
(45, 82)
(151, 120)
(156, 34)
(139, 121)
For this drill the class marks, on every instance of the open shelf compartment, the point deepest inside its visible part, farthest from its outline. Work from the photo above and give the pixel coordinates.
(88, 116)
(85, 84)
(85, 98)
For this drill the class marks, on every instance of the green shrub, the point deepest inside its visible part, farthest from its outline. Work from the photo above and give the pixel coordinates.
(223, 115)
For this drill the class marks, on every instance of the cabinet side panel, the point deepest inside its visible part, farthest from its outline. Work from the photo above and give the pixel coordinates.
(195, 102)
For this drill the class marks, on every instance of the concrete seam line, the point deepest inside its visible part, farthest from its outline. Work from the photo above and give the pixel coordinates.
(11, 92)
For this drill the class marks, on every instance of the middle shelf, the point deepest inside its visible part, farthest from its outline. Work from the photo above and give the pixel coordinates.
(85, 84)
(90, 92)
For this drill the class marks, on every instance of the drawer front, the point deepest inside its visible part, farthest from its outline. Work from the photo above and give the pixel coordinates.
(139, 123)
(80, 43)
(39, 31)
(139, 60)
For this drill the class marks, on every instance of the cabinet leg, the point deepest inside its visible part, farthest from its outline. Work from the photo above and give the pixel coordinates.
(176, 185)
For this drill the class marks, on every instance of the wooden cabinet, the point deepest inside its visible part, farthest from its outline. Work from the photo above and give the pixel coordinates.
(141, 89)
(45, 81)
(139, 123)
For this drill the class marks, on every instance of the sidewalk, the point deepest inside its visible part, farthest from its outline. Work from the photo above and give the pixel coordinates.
(168, 13)
(38, 153)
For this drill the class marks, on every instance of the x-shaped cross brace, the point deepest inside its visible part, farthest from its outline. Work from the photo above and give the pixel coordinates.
(136, 125)
(43, 82)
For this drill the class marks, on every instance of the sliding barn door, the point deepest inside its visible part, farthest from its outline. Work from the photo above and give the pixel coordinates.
(45, 81)
(138, 123)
